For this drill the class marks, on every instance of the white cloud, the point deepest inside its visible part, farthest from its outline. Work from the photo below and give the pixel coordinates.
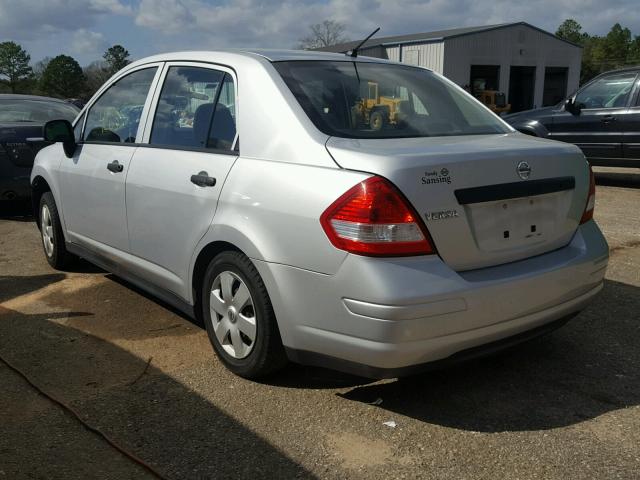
(110, 6)
(165, 15)
(88, 42)
(21, 20)
(269, 23)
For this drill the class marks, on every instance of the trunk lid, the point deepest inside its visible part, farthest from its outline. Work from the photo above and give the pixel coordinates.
(485, 199)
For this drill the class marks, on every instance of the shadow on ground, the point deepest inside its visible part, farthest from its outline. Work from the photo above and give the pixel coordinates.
(589, 367)
(20, 211)
(156, 418)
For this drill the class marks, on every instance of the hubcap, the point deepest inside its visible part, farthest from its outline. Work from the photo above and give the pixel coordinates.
(47, 230)
(233, 314)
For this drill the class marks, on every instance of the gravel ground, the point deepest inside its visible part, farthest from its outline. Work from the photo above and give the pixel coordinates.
(563, 406)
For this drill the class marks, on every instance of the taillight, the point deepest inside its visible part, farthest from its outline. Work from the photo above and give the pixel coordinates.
(373, 218)
(591, 199)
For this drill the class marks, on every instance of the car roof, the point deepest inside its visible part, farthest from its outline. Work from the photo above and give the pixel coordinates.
(18, 96)
(267, 54)
(634, 69)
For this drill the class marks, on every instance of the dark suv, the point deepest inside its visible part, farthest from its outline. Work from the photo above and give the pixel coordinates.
(21, 120)
(602, 118)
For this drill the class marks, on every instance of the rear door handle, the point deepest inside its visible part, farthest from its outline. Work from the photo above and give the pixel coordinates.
(203, 179)
(608, 119)
(115, 167)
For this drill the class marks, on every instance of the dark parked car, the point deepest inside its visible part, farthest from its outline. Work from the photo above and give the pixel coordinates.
(602, 118)
(21, 120)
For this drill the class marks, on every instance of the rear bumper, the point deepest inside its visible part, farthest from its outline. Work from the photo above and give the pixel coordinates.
(354, 368)
(390, 315)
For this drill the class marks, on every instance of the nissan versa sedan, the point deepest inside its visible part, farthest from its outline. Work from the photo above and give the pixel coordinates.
(332, 210)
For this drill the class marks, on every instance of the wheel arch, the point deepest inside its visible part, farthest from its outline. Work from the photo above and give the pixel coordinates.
(39, 187)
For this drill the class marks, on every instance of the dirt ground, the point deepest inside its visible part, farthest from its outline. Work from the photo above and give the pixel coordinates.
(564, 406)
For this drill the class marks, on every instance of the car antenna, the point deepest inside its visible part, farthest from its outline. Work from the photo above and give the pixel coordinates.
(354, 52)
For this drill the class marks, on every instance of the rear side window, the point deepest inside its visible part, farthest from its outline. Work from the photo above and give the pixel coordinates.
(196, 109)
(115, 116)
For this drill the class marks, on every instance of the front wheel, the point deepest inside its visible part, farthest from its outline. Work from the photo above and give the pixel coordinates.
(376, 120)
(239, 318)
(53, 243)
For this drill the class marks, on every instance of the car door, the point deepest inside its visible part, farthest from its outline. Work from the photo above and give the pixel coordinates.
(93, 181)
(598, 127)
(631, 144)
(177, 173)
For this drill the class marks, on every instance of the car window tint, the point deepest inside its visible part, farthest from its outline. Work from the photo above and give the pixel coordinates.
(611, 91)
(223, 127)
(185, 107)
(377, 100)
(115, 116)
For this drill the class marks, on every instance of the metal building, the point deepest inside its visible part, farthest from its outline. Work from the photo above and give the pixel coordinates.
(532, 67)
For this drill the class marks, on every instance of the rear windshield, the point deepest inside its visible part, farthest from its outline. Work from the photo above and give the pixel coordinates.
(377, 100)
(35, 111)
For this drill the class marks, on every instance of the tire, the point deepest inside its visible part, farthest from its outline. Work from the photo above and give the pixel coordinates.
(241, 325)
(53, 242)
(376, 120)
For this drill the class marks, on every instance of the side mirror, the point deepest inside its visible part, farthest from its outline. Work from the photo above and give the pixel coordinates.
(571, 107)
(61, 131)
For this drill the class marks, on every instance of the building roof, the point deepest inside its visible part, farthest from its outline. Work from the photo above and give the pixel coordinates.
(429, 37)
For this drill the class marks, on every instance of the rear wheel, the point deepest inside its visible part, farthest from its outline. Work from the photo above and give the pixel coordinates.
(51, 232)
(239, 317)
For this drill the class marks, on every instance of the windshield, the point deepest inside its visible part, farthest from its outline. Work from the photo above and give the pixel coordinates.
(35, 111)
(377, 100)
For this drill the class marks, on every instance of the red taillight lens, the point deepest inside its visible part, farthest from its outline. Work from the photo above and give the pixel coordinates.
(591, 199)
(373, 218)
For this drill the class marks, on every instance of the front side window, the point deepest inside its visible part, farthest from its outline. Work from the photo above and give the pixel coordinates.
(611, 91)
(115, 116)
(377, 100)
(196, 109)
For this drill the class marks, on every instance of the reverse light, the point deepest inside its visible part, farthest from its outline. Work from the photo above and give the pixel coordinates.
(373, 218)
(591, 199)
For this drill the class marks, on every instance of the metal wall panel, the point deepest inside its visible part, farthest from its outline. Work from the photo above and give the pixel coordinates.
(393, 53)
(518, 45)
(429, 55)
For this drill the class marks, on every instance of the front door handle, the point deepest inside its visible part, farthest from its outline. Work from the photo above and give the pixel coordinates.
(115, 167)
(608, 119)
(203, 179)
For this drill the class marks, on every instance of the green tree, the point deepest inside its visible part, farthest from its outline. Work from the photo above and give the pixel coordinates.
(116, 57)
(634, 51)
(96, 73)
(571, 31)
(63, 78)
(14, 64)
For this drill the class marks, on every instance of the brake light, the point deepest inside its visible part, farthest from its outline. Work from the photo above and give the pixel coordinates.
(373, 218)
(591, 199)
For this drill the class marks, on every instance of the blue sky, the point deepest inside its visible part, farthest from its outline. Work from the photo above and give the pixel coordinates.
(84, 28)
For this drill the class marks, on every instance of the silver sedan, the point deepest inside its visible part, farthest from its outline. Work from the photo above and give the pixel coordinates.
(352, 213)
